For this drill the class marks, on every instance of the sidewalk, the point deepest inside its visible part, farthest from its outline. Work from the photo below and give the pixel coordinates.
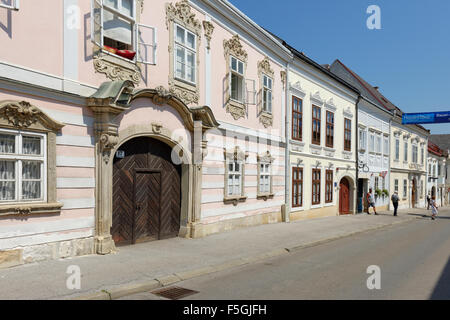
(146, 266)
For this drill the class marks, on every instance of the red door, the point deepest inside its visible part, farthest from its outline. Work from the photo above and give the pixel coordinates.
(344, 197)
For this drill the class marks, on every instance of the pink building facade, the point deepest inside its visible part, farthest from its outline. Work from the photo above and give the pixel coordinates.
(124, 121)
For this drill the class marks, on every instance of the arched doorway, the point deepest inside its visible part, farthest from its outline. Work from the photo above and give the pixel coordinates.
(146, 192)
(413, 193)
(344, 196)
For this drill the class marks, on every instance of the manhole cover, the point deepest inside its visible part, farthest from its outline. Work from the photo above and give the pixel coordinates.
(174, 293)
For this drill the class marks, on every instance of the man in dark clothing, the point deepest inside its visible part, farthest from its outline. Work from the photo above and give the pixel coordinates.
(428, 201)
(395, 200)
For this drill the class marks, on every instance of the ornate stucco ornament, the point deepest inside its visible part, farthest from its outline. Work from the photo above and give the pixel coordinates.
(116, 71)
(209, 29)
(107, 143)
(23, 114)
(235, 48)
(264, 66)
(266, 119)
(283, 76)
(181, 12)
(162, 96)
(236, 111)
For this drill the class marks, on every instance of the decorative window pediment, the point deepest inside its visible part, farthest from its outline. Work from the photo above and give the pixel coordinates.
(316, 98)
(234, 47)
(297, 88)
(348, 112)
(23, 115)
(330, 105)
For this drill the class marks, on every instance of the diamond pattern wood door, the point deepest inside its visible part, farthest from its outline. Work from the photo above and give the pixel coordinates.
(146, 193)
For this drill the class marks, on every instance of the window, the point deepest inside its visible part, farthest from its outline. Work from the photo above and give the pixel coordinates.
(405, 158)
(297, 187)
(371, 142)
(114, 29)
(264, 178)
(237, 79)
(405, 188)
(330, 130)
(267, 94)
(414, 154)
(421, 155)
(185, 54)
(328, 186)
(347, 135)
(378, 144)
(10, 4)
(377, 183)
(234, 178)
(385, 146)
(383, 183)
(297, 106)
(22, 166)
(315, 186)
(397, 149)
(316, 119)
(362, 139)
(396, 185)
(439, 169)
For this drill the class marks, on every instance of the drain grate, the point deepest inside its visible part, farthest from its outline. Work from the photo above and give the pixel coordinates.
(174, 293)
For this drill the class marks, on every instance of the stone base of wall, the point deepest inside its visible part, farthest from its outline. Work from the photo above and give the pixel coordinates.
(47, 251)
(330, 211)
(199, 230)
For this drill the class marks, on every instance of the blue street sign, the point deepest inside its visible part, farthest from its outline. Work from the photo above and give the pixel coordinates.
(427, 117)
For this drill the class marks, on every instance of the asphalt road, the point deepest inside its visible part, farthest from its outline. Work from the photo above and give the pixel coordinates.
(413, 260)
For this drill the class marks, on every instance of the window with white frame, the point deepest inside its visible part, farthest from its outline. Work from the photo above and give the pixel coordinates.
(421, 156)
(397, 149)
(10, 4)
(415, 154)
(396, 185)
(115, 30)
(267, 94)
(362, 139)
(378, 143)
(22, 166)
(385, 145)
(185, 54)
(405, 156)
(405, 188)
(234, 178)
(264, 178)
(237, 79)
(371, 142)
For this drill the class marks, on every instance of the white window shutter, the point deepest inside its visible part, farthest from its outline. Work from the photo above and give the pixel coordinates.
(97, 22)
(250, 92)
(146, 44)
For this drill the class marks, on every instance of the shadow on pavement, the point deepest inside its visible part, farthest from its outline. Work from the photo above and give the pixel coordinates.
(442, 289)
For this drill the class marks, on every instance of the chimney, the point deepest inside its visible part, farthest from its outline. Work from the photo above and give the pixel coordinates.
(376, 88)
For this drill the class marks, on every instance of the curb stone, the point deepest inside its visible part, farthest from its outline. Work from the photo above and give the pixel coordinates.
(129, 289)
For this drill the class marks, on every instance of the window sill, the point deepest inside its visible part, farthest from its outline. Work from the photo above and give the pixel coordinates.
(117, 68)
(234, 199)
(316, 206)
(236, 108)
(26, 209)
(297, 209)
(265, 196)
(329, 204)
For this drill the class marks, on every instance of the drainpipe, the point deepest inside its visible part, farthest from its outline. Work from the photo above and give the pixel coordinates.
(357, 154)
(287, 160)
(394, 112)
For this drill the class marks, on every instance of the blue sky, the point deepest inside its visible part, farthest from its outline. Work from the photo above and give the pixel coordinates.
(409, 58)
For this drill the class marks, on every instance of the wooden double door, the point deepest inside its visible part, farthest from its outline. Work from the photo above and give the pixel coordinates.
(146, 192)
(344, 197)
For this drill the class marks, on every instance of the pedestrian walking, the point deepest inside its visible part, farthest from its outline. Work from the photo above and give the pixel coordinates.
(434, 208)
(371, 202)
(428, 201)
(395, 200)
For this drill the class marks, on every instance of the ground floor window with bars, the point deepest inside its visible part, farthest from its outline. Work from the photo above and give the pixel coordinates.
(22, 166)
(315, 186)
(234, 178)
(297, 187)
(329, 186)
(264, 178)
